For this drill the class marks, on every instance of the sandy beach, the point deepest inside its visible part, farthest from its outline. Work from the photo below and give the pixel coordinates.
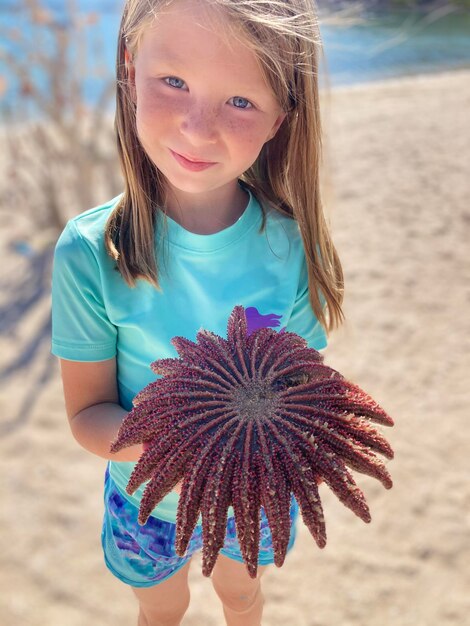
(396, 187)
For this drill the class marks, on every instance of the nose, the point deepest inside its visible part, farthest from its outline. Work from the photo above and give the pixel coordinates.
(199, 125)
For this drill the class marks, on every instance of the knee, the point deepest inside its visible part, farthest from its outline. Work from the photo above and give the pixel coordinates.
(164, 613)
(240, 598)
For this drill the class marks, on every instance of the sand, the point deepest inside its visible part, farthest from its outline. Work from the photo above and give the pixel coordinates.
(397, 192)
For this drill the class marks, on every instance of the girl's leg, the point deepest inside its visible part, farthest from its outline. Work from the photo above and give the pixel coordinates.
(166, 603)
(241, 595)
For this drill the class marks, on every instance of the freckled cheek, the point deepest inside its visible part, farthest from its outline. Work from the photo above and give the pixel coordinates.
(244, 138)
(153, 113)
(150, 114)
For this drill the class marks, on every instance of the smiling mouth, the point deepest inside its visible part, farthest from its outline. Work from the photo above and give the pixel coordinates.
(193, 159)
(191, 165)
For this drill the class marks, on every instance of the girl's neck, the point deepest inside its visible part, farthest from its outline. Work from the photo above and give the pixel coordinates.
(207, 213)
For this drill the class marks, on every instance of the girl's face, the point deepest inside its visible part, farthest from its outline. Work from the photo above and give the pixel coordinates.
(198, 97)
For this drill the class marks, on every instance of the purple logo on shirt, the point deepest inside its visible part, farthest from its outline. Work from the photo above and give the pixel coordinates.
(256, 320)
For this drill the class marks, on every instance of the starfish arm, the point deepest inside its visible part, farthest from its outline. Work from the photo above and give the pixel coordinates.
(306, 360)
(150, 430)
(167, 367)
(198, 381)
(156, 391)
(187, 350)
(323, 407)
(303, 482)
(312, 386)
(217, 347)
(209, 417)
(146, 422)
(215, 504)
(346, 445)
(191, 392)
(237, 334)
(275, 497)
(339, 396)
(358, 457)
(358, 429)
(362, 430)
(158, 487)
(246, 505)
(190, 498)
(139, 413)
(152, 462)
(147, 407)
(300, 366)
(353, 452)
(237, 328)
(284, 343)
(339, 479)
(361, 404)
(221, 357)
(364, 462)
(332, 469)
(209, 354)
(197, 375)
(184, 442)
(167, 471)
(164, 460)
(256, 345)
(237, 337)
(242, 361)
(194, 484)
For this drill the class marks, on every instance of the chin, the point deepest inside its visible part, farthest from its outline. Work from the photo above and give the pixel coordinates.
(190, 186)
(193, 182)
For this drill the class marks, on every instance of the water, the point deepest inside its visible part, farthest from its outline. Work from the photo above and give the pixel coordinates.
(388, 44)
(397, 44)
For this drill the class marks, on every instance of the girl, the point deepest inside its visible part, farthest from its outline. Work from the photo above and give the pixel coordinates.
(218, 133)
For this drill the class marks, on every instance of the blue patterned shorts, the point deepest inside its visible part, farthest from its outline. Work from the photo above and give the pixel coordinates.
(143, 556)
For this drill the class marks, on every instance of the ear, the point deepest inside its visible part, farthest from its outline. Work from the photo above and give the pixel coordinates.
(281, 117)
(130, 71)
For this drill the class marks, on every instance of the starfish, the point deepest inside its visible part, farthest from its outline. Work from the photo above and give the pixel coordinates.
(246, 422)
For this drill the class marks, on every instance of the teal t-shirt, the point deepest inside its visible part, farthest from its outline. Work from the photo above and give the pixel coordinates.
(97, 316)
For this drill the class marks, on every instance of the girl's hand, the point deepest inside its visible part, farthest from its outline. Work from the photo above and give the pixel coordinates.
(178, 486)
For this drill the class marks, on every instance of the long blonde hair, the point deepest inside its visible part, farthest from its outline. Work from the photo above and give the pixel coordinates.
(285, 36)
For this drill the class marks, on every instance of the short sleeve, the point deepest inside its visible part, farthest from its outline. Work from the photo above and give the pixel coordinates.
(81, 329)
(303, 321)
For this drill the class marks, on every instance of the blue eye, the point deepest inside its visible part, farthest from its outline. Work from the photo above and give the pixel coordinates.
(173, 78)
(245, 104)
(238, 101)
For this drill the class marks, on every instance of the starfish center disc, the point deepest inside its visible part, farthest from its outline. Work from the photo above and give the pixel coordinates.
(255, 399)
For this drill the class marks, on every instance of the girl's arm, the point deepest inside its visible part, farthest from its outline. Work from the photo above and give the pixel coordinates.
(92, 406)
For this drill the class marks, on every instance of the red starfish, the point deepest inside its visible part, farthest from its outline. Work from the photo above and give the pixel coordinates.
(247, 421)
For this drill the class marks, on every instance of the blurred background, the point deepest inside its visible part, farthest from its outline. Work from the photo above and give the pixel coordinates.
(395, 88)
